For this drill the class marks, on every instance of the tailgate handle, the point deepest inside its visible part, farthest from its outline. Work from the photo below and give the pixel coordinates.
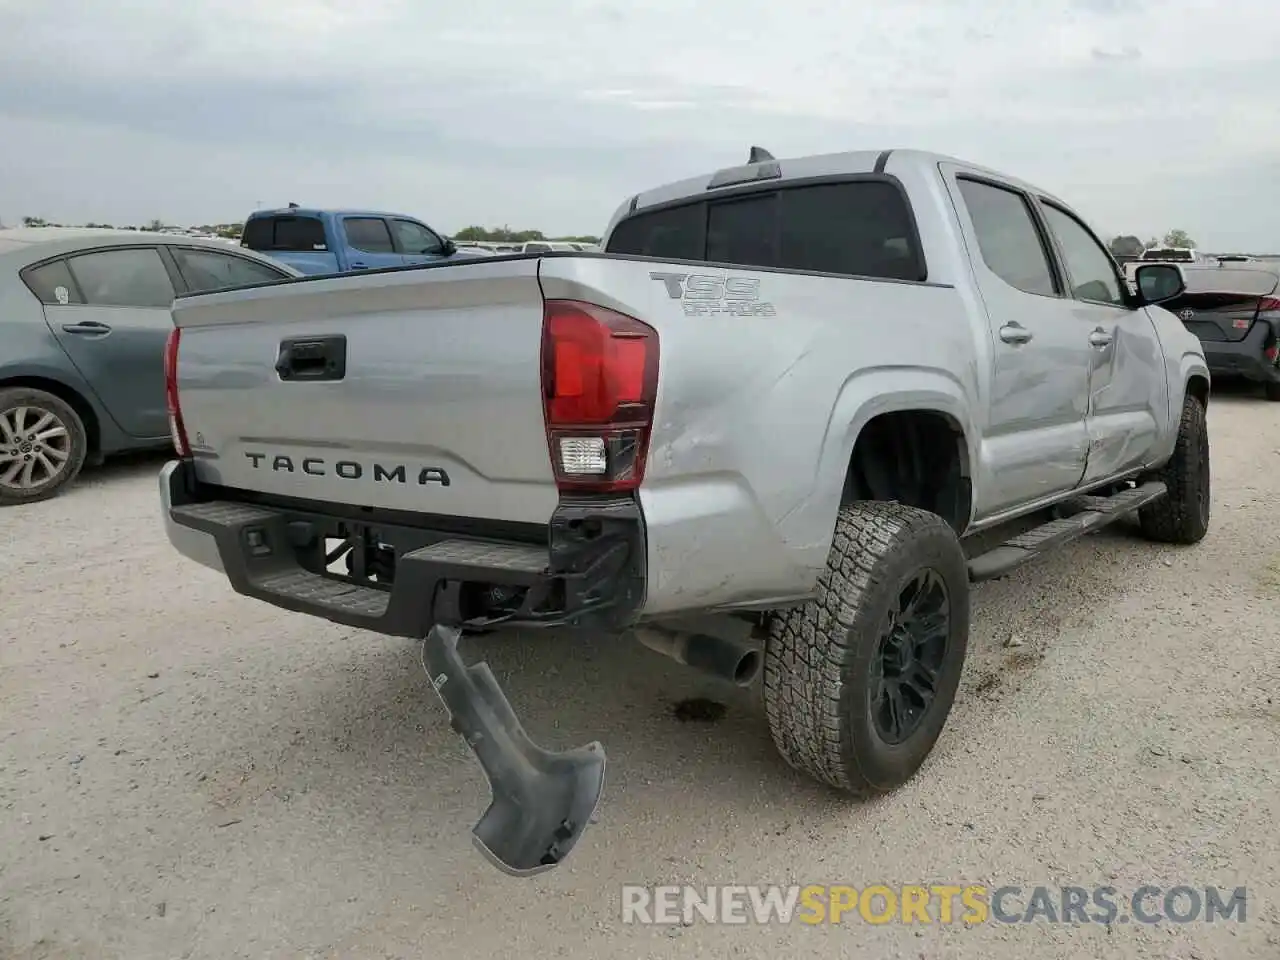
(312, 358)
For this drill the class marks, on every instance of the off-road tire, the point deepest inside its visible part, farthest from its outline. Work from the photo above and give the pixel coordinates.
(1182, 516)
(12, 398)
(1273, 391)
(817, 670)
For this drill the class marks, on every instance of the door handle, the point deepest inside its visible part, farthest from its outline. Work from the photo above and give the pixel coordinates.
(91, 328)
(1014, 333)
(1100, 338)
(359, 266)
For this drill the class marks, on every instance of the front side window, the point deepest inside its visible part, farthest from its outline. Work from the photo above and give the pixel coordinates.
(415, 238)
(1091, 269)
(1008, 239)
(123, 278)
(369, 234)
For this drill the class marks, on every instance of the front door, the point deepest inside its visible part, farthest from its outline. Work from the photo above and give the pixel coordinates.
(1128, 395)
(115, 334)
(1035, 442)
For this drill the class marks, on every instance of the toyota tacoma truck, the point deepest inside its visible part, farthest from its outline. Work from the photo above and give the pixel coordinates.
(764, 431)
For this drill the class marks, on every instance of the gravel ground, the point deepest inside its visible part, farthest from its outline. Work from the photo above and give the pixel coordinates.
(188, 773)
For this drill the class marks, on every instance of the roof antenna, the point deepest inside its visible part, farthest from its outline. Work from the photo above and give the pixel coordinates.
(292, 205)
(759, 155)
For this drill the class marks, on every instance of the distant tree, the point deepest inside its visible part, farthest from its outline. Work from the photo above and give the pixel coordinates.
(1126, 245)
(1153, 242)
(34, 222)
(1178, 238)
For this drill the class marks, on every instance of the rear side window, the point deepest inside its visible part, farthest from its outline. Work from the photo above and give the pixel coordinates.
(862, 228)
(52, 283)
(123, 278)
(369, 234)
(1007, 237)
(205, 270)
(292, 234)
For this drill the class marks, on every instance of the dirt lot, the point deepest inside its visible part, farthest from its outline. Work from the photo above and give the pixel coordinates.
(188, 773)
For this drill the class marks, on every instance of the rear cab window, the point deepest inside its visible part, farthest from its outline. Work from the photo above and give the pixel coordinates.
(856, 227)
(285, 233)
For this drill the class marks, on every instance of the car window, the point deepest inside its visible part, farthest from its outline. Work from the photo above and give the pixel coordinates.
(369, 234)
(208, 270)
(415, 238)
(1092, 272)
(861, 228)
(293, 234)
(1008, 240)
(123, 278)
(52, 283)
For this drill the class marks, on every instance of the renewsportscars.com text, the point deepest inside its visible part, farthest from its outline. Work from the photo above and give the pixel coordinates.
(929, 904)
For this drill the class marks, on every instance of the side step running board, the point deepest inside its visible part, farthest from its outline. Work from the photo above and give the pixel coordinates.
(1087, 515)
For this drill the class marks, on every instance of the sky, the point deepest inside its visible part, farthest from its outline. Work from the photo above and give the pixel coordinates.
(546, 114)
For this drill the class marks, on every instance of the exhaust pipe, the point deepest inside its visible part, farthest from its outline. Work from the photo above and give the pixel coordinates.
(726, 658)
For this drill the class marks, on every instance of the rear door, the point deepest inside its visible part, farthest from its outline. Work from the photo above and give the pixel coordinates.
(1128, 395)
(416, 242)
(1035, 443)
(113, 326)
(369, 243)
(298, 241)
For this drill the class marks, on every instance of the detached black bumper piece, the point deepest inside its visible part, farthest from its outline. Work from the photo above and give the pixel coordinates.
(542, 800)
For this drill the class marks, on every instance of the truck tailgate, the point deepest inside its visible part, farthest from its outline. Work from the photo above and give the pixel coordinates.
(438, 410)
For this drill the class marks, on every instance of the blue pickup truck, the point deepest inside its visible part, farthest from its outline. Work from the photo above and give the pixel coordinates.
(341, 241)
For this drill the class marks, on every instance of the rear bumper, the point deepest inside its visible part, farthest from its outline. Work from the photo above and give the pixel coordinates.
(589, 572)
(1243, 358)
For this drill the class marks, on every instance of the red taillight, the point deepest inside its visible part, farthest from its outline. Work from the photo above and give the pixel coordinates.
(1268, 305)
(177, 429)
(599, 384)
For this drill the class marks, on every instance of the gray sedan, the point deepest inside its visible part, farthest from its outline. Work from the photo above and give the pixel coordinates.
(84, 316)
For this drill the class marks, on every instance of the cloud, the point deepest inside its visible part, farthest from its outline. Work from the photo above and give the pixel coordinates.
(550, 112)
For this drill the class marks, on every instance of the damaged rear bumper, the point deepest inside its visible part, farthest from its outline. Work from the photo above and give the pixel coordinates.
(406, 574)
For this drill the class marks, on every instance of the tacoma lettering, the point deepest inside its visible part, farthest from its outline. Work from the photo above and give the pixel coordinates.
(350, 469)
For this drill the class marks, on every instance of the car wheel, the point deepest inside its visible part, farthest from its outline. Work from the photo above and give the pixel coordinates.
(42, 445)
(859, 682)
(1182, 516)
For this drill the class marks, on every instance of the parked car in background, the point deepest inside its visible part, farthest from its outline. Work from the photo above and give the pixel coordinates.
(84, 315)
(1170, 255)
(1234, 308)
(548, 246)
(342, 241)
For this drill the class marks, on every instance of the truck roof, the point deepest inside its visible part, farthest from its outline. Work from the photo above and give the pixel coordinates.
(819, 165)
(322, 212)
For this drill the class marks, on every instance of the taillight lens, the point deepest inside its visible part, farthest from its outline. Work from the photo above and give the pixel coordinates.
(599, 385)
(1268, 305)
(177, 429)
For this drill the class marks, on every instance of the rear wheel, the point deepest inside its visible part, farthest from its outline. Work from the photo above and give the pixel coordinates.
(859, 682)
(1182, 516)
(42, 445)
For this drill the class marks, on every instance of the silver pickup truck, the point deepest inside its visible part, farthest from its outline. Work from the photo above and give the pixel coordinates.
(759, 432)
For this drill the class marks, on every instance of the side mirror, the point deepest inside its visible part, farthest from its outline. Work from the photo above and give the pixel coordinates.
(1158, 282)
(449, 248)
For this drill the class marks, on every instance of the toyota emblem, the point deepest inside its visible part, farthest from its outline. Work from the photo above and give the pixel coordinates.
(1186, 314)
